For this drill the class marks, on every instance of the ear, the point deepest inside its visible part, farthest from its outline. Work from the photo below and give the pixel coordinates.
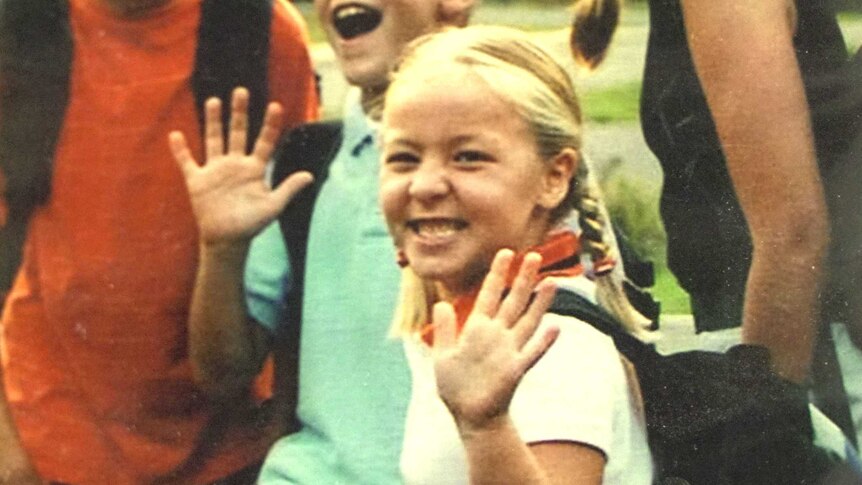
(555, 183)
(454, 13)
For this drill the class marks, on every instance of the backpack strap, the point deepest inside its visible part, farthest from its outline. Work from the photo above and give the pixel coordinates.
(35, 62)
(233, 50)
(640, 276)
(309, 147)
(571, 304)
(36, 52)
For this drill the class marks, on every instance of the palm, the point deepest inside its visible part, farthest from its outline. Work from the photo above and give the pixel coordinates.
(478, 372)
(229, 195)
(478, 377)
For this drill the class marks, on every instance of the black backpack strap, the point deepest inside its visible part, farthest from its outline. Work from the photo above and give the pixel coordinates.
(640, 276)
(571, 304)
(35, 62)
(309, 147)
(233, 50)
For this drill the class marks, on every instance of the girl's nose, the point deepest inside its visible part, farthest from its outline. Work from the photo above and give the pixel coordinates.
(429, 181)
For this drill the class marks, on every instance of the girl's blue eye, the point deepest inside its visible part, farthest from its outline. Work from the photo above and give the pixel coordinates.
(472, 156)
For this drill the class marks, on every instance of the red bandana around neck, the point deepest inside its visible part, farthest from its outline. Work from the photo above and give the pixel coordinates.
(560, 257)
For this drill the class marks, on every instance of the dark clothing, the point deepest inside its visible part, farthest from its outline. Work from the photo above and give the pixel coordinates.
(709, 245)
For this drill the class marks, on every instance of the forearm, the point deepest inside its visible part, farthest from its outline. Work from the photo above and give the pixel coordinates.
(496, 454)
(15, 466)
(225, 346)
(781, 309)
(745, 59)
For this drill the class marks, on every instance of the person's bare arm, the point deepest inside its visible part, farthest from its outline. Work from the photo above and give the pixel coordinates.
(232, 202)
(226, 347)
(15, 466)
(744, 57)
(497, 454)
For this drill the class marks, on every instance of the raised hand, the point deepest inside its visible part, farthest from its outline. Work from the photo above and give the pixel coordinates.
(230, 197)
(479, 370)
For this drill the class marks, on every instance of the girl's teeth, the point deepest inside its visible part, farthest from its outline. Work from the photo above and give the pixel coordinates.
(348, 11)
(436, 228)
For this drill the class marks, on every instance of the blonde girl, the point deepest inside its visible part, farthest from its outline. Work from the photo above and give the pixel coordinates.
(481, 164)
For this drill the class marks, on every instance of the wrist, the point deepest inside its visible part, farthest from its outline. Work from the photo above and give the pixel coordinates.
(232, 253)
(485, 428)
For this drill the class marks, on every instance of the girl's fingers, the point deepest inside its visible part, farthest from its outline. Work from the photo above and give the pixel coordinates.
(488, 299)
(238, 121)
(537, 346)
(180, 150)
(214, 139)
(526, 326)
(269, 133)
(288, 188)
(522, 289)
(445, 331)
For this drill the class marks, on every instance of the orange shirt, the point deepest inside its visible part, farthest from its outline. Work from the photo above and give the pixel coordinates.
(94, 332)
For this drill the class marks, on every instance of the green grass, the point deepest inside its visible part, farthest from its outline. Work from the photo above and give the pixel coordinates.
(674, 300)
(632, 206)
(851, 26)
(612, 104)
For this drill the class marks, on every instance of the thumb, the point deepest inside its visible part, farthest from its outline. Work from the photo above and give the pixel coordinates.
(289, 187)
(180, 150)
(445, 332)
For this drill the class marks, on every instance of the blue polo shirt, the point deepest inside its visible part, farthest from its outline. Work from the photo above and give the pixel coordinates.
(353, 380)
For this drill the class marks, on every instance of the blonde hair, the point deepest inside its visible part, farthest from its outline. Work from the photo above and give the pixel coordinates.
(540, 90)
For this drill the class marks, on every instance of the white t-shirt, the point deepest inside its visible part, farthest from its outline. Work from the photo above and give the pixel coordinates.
(578, 392)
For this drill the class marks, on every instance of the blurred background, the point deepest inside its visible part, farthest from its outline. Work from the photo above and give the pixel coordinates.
(629, 174)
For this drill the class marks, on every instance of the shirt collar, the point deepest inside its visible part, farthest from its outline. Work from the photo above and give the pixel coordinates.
(360, 133)
(560, 258)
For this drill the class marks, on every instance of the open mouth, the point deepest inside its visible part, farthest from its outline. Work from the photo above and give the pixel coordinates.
(436, 227)
(354, 19)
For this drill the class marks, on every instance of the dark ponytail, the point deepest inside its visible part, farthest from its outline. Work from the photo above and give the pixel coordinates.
(593, 28)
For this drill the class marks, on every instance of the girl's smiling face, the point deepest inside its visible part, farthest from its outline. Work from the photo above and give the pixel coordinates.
(461, 176)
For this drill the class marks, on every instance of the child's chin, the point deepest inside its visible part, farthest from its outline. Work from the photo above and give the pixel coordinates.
(430, 270)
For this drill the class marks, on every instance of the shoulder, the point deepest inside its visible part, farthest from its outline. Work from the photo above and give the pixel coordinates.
(579, 341)
(287, 22)
(291, 76)
(577, 390)
(582, 360)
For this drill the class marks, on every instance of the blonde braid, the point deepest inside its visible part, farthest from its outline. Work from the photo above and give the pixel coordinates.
(598, 241)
